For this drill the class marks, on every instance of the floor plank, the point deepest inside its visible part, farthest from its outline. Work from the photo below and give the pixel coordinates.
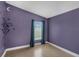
(38, 51)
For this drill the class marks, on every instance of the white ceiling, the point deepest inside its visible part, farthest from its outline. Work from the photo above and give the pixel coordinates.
(46, 8)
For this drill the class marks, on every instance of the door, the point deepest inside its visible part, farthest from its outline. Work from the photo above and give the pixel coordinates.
(37, 32)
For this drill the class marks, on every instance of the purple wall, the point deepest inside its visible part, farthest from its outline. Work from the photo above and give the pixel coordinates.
(22, 22)
(2, 14)
(64, 30)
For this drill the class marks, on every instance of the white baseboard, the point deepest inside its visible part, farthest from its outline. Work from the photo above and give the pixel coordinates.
(4, 53)
(65, 50)
(25, 46)
(15, 48)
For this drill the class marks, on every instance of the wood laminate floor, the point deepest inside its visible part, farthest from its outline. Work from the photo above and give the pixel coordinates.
(38, 51)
